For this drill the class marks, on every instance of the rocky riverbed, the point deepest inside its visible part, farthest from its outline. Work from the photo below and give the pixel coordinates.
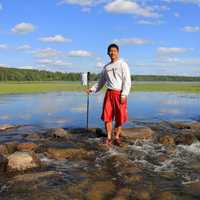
(156, 161)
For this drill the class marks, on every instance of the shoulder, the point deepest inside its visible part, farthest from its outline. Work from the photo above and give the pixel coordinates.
(123, 63)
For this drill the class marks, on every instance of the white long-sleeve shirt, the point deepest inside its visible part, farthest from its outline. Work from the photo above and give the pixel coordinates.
(115, 75)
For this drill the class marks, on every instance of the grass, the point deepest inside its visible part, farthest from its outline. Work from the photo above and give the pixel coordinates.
(39, 87)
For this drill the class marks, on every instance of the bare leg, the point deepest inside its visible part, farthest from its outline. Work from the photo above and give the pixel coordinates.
(108, 127)
(118, 130)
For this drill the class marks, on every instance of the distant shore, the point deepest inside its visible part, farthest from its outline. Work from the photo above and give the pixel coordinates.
(58, 86)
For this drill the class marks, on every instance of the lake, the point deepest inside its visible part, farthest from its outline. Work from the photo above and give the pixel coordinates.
(68, 109)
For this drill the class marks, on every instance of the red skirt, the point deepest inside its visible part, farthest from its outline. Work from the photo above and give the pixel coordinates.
(112, 108)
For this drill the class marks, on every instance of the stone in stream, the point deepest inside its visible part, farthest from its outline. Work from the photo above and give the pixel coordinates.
(6, 126)
(195, 125)
(20, 161)
(67, 153)
(28, 146)
(166, 140)
(123, 194)
(8, 148)
(185, 139)
(165, 196)
(58, 132)
(3, 163)
(193, 188)
(32, 137)
(138, 133)
(100, 190)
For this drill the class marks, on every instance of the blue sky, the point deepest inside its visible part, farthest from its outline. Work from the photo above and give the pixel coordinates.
(155, 36)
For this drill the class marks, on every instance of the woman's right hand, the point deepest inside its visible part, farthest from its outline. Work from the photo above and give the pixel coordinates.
(88, 91)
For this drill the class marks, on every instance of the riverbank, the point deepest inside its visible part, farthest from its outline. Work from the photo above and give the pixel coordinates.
(155, 161)
(40, 87)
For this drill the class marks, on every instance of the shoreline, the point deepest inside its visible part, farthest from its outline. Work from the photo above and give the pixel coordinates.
(39, 87)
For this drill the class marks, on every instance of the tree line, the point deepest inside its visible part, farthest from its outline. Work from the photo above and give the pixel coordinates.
(14, 74)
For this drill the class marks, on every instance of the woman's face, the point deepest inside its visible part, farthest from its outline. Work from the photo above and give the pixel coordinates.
(113, 53)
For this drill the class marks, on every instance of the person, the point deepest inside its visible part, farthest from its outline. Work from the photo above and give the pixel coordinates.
(116, 78)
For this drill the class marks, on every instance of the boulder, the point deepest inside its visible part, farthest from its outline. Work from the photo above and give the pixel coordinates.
(165, 196)
(185, 139)
(101, 190)
(6, 126)
(58, 133)
(138, 133)
(20, 161)
(166, 140)
(27, 146)
(67, 153)
(3, 163)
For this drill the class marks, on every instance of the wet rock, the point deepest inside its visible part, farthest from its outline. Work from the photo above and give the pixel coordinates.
(195, 125)
(193, 188)
(6, 126)
(3, 150)
(123, 194)
(32, 137)
(162, 158)
(27, 147)
(185, 139)
(58, 133)
(32, 176)
(11, 146)
(165, 196)
(68, 153)
(181, 125)
(138, 133)
(142, 194)
(20, 161)
(166, 140)
(101, 190)
(3, 163)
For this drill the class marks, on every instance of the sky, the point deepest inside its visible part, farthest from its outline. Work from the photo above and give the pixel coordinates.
(156, 37)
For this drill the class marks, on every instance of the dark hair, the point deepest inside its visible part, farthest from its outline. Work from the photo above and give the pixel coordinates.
(113, 45)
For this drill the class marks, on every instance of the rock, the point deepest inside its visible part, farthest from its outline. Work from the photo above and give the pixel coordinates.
(6, 126)
(11, 147)
(58, 132)
(67, 153)
(123, 194)
(33, 137)
(162, 158)
(138, 133)
(181, 125)
(101, 190)
(27, 147)
(193, 188)
(3, 150)
(165, 196)
(166, 140)
(142, 194)
(185, 139)
(33, 176)
(195, 125)
(3, 163)
(20, 161)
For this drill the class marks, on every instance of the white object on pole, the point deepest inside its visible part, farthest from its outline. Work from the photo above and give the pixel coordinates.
(84, 79)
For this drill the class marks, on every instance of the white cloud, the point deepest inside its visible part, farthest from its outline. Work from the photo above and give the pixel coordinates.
(45, 53)
(197, 2)
(24, 47)
(1, 7)
(165, 51)
(131, 41)
(49, 62)
(79, 53)
(23, 28)
(148, 22)
(191, 29)
(130, 7)
(55, 38)
(78, 2)
(3, 46)
(176, 14)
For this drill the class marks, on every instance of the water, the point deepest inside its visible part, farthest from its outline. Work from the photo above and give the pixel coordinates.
(68, 109)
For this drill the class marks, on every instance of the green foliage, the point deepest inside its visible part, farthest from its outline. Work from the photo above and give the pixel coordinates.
(13, 74)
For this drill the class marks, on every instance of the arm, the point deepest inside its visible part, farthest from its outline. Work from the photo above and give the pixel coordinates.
(101, 82)
(126, 80)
